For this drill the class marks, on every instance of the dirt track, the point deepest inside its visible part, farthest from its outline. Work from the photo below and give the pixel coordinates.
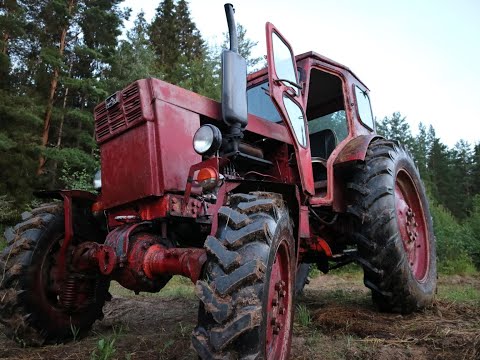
(344, 326)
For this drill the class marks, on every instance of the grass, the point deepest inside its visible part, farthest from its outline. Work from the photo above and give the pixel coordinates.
(177, 287)
(459, 293)
(303, 316)
(461, 265)
(3, 242)
(106, 347)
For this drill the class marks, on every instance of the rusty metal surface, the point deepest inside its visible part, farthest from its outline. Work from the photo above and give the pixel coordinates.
(355, 149)
(187, 262)
(277, 92)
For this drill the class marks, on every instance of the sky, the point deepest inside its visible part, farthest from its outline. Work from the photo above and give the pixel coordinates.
(419, 57)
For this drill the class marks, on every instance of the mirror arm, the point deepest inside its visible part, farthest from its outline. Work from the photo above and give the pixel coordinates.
(294, 84)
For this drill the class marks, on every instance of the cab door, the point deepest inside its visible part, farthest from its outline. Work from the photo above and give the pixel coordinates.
(286, 94)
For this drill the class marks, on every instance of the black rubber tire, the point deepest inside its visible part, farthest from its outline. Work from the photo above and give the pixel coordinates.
(31, 313)
(380, 248)
(234, 290)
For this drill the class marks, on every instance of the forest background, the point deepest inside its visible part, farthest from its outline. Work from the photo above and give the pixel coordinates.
(59, 58)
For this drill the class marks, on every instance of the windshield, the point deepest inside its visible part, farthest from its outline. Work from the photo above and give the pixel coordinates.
(260, 103)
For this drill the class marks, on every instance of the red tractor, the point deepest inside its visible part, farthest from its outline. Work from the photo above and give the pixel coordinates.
(293, 176)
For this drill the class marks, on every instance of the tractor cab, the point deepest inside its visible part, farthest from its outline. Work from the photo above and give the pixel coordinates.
(332, 100)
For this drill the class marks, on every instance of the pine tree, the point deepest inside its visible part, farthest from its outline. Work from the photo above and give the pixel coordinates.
(245, 47)
(461, 182)
(192, 46)
(63, 16)
(439, 166)
(164, 39)
(134, 58)
(476, 170)
(396, 128)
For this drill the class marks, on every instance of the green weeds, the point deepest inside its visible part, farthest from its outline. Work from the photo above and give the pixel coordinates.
(106, 346)
(303, 316)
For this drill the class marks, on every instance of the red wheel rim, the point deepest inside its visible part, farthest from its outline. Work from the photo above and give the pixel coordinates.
(279, 305)
(412, 225)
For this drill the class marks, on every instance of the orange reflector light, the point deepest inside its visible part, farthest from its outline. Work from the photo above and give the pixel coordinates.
(97, 206)
(207, 177)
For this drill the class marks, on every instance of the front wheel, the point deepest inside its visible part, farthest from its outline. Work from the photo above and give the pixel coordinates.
(35, 307)
(394, 232)
(246, 294)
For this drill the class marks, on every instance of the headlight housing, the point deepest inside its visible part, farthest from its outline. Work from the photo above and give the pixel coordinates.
(207, 140)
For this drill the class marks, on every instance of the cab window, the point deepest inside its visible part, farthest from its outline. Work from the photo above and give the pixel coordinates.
(327, 120)
(260, 103)
(363, 107)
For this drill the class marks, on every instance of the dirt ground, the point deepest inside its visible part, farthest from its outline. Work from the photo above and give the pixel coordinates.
(343, 325)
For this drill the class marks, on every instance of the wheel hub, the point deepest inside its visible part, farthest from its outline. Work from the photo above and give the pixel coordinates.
(412, 225)
(279, 305)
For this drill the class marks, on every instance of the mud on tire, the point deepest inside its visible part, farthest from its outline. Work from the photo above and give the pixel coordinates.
(246, 294)
(393, 229)
(30, 306)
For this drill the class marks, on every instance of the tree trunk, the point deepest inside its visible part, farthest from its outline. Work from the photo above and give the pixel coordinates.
(51, 96)
(6, 37)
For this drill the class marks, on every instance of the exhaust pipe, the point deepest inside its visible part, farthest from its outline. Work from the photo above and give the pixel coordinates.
(234, 86)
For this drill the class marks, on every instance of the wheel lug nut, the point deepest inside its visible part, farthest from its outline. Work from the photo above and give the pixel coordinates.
(276, 330)
(282, 293)
(278, 286)
(282, 310)
(273, 321)
(274, 301)
(282, 283)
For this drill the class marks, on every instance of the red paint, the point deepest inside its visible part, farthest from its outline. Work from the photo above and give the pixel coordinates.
(186, 262)
(84, 198)
(160, 207)
(355, 149)
(279, 305)
(129, 258)
(277, 92)
(412, 225)
(319, 245)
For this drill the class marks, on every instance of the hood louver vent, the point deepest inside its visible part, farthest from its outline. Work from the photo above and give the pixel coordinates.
(123, 113)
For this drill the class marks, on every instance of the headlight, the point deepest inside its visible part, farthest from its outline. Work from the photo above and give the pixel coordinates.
(97, 180)
(207, 140)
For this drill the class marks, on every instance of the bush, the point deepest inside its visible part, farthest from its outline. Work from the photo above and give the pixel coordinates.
(452, 242)
(472, 225)
(8, 210)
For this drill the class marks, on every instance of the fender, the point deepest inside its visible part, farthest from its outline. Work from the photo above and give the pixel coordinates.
(291, 194)
(84, 199)
(355, 149)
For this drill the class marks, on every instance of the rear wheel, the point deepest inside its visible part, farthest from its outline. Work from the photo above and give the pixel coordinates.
(394, 231)
(246, 294)
(35, 307)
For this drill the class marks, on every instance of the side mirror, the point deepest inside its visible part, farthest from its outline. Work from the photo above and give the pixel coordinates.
(234, 80)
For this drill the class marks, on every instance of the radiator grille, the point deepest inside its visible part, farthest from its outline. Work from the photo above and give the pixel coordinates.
(118, 118)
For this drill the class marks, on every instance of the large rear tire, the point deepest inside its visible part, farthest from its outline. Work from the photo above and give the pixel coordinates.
(246, 293)
(34, 307)
(394, 231)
